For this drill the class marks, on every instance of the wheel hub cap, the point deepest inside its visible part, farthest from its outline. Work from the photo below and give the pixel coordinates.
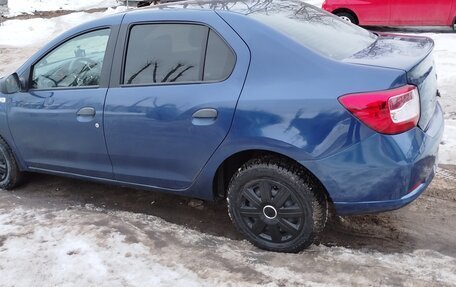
(269, 212)
(345, 18)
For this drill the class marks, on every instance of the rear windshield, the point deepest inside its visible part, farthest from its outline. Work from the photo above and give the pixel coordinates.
(310, 26)
(316, 29)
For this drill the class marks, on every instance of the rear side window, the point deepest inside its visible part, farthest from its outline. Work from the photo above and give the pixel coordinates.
(171, 53)
(219, 59)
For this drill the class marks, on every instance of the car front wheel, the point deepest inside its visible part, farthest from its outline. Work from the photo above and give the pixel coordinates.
(275, 207)
(10, 175)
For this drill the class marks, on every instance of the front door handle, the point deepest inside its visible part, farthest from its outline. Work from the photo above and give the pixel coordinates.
(86, 112)
(204, 117)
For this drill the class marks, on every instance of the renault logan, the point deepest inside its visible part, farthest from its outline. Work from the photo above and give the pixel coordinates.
(278, 106)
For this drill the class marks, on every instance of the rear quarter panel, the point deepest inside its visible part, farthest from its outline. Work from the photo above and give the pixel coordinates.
(290, 95)
(289, 102)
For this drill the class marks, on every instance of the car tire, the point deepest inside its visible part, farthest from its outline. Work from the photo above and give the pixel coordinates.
(10, 175)
(275, 205)
(349, 17)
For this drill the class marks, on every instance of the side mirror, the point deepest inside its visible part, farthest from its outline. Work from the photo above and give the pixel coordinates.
(10, 84)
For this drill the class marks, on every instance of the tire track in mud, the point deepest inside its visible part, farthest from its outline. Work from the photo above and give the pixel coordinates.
(426, 223)
(446, 174)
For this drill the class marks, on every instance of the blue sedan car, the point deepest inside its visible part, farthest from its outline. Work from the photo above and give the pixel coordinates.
(279, 107)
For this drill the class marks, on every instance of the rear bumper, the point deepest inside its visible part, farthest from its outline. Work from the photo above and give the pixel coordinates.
(368, 207)
(382, 172)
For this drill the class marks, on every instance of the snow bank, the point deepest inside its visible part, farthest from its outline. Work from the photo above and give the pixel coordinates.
(35, 31)
(448, 145)
(65, 256)
(17, 7)
(445, 59)
(317, 3)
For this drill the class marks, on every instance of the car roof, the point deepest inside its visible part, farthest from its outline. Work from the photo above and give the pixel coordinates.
(244, 7)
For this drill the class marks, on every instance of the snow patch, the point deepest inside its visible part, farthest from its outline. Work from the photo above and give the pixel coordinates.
(447, 153)
(17, 7)
(83, 246)
(445, 60)
(316, 3)
(35, 31)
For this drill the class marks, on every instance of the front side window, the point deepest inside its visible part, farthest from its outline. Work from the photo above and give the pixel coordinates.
(168, 53)
(75, 63)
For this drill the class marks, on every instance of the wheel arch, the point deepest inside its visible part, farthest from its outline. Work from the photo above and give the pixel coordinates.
(346, 10)
(231, 164)
(9, 141)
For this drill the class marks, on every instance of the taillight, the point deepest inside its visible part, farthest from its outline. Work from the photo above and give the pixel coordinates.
(388, 112)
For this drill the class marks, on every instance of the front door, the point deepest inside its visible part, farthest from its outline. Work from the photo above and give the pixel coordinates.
(57, 123)
(176, 101)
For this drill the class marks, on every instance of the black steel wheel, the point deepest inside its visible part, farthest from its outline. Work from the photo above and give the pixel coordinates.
(3, 167)
(10, 175)
(274, 207)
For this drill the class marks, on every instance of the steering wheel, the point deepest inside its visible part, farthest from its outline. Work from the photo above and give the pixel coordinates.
(82, 63)
(79, 67)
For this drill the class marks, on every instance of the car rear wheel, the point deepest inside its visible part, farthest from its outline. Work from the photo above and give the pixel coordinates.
(10, 175)
(275, 207)
(347, 17)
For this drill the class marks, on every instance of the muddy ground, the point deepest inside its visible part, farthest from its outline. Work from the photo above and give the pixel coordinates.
(51, 218)
(427, 223)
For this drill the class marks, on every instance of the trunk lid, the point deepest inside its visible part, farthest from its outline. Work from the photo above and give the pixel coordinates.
(414, 56)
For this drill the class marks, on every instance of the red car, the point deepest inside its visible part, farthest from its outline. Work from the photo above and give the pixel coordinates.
(395, 12)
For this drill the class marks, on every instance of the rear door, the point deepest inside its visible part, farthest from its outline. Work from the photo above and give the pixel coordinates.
(173, 95)
(423, 12)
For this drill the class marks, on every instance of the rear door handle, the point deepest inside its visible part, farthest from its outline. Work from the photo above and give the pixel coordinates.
(86, 112)
(204, 117)
(207, 113)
